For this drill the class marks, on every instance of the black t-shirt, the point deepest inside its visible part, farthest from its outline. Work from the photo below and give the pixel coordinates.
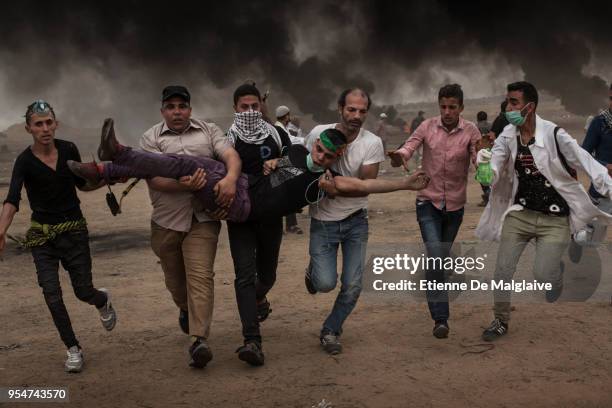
(253, 156)
(290, 187)
(534, 191)
(52, 194)
(499, 124)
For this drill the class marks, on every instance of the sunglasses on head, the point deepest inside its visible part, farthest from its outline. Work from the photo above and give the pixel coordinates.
(40, 106)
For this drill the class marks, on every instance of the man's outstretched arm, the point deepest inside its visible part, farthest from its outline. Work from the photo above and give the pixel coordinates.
(348, 186)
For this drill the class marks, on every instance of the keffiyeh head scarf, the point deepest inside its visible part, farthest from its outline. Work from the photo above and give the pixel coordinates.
(249, 127)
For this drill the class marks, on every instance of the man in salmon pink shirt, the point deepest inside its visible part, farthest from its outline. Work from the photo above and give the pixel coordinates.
(449, 145)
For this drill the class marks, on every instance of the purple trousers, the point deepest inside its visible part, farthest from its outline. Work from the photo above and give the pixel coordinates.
(131, 163)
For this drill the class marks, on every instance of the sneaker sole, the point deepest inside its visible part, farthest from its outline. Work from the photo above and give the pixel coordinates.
(441, 332)
(102, 154)
(200, 357)
(491, 338)
(251, 358)
(332, 350)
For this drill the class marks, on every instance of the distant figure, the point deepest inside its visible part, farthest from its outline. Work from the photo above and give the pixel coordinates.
(295, 132)
(381, 129)
(484, 127)
(416, 122)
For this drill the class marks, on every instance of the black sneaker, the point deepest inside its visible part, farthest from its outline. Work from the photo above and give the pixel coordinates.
(554, 294)
(496, 329)
(308, 282)
(441, 329)
(184, 321)
(263, 310)
(252, 353)
(200, 353)
(330, 342)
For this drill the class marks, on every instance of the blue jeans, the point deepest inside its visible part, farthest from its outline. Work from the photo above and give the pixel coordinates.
(438, 229)
(325, 237)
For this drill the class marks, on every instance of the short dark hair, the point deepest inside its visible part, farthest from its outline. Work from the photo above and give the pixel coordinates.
(611, 86)
(246, 89)
(503, 106)
(530, 93)
(451, 91)
(335, 136)
(480, 116)
(343, 95)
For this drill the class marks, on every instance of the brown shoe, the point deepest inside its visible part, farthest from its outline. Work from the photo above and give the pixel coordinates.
(87, 171)
(108, 142)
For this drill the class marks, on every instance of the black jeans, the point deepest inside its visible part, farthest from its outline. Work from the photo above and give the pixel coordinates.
(438, 229)
(72, 250)
(291, 221)
(254, 246)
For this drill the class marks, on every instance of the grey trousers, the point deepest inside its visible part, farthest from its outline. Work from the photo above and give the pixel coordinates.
(552, 236)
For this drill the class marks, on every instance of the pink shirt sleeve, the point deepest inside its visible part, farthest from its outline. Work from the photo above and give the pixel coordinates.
(474, 138)
(413, 143)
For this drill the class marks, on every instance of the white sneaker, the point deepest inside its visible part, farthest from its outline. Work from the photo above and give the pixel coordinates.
(74, 362)
(108, 317)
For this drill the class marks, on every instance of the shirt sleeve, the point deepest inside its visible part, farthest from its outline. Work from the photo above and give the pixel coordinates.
(375, 153)
(474, 139)
(579, 158)
(17, 179)
(220, 142)
(73, 154)
(311, 137)
(414, 141)
(593, 137)
(148, 143)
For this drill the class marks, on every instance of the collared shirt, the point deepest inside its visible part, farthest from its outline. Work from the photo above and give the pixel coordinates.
(176, 210)
(446, 160)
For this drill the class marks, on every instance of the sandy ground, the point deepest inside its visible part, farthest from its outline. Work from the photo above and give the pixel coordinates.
(555, 355)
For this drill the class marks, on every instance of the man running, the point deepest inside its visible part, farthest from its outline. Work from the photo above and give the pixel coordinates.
(58, 232)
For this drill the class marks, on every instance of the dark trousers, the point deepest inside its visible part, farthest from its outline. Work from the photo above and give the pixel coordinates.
(291, 221)
(72, 250)
(255, 246)
(438, 229)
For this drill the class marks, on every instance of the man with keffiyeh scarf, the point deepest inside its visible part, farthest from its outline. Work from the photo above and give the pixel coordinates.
(254, 245)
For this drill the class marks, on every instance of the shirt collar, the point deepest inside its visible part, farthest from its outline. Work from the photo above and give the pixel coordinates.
(192, 124)
(460, 124)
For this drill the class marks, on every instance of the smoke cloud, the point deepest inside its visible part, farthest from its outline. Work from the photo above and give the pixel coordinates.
(98, 59)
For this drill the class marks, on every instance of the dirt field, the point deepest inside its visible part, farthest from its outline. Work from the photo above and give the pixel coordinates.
(557, 355)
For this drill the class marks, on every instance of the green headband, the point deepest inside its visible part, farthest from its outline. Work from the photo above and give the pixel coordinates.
(327, 142)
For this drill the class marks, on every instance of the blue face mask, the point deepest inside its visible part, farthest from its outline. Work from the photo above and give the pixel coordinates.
(312, 166)
(516, 118)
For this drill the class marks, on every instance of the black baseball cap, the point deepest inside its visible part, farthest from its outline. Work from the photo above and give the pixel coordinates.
(175, 90)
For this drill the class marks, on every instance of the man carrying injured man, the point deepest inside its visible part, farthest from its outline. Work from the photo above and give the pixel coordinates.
(295, 180)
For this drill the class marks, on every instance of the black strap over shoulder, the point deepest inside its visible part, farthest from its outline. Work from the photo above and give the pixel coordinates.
(572, 172)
